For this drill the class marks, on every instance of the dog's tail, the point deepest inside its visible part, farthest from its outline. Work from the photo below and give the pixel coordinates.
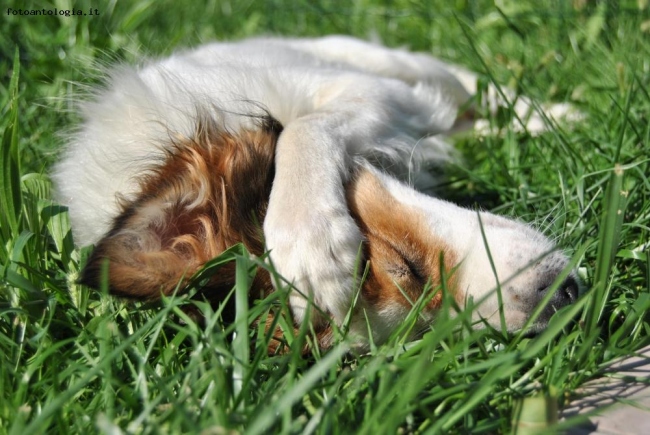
(527, 114)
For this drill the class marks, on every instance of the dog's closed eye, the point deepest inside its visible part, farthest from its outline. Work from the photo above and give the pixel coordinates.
(403, 255)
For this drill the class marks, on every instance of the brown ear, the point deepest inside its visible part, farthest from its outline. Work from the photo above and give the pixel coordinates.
(210, 193)
(154, 244)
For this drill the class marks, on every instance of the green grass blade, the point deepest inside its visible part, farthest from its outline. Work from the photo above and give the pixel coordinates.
(10, 190)
(241, 342)
(40, 422)
(608, 239)
(265, 419)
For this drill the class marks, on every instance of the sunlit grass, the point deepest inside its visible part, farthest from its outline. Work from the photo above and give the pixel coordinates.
(74, 360)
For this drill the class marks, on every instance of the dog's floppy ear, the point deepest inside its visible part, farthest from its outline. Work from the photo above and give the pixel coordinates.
(210, 193)
(154, 244)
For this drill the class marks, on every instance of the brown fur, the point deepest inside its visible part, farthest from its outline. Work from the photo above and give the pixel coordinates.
(170, 230)
(212, 191)
(399, 247)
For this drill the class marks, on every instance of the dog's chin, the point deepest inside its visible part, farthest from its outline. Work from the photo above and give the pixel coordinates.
(539, 325)
(533, 330)
(518, 322)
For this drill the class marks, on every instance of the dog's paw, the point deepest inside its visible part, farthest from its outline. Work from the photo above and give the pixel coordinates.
(315, 250)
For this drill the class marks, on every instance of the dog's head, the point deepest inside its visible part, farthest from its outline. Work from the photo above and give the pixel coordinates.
(412, 238)
(211, 191)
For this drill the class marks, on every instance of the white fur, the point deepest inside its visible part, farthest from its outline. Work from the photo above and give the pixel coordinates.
(525, 260)
(336, 97)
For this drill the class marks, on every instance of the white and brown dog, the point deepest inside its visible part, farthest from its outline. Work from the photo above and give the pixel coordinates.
(181, 158)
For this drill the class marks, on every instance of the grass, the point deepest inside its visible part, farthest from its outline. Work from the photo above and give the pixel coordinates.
(73, 360)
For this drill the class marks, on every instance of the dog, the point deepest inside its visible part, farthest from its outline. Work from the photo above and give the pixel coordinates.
(299, 148)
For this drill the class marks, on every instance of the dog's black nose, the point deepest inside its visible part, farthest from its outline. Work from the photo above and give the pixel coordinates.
(567, 293)
(569, 290)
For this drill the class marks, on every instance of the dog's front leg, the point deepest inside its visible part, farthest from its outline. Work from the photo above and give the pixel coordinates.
(312, 238)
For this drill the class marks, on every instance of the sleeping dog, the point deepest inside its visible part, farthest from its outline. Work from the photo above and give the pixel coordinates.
(297, 146)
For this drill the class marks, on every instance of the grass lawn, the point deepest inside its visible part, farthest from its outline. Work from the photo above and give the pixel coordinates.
(75, 360)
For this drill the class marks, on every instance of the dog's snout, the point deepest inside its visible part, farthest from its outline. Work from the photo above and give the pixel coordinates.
(566, 293)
